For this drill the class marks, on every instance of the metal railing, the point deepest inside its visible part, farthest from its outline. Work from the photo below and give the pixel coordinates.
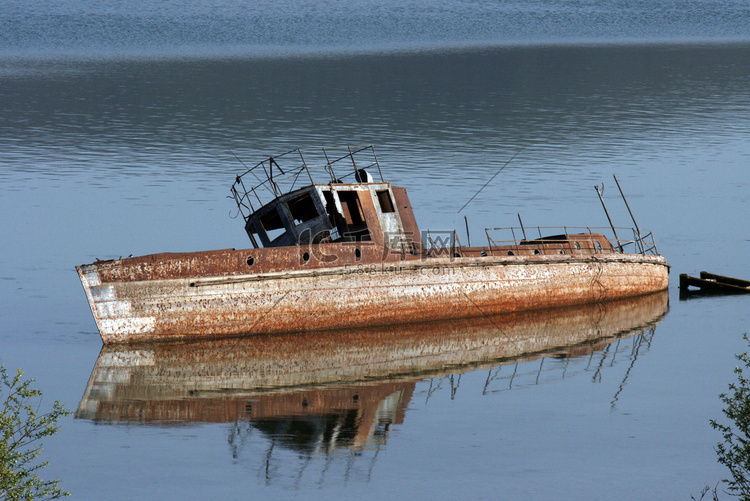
(641, 243)
(296, 168)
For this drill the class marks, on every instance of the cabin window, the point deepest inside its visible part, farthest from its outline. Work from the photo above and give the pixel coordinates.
(386, 204)
(352, 209)
(334, 217)
(272, 225)
(303, 209)
(354, 222)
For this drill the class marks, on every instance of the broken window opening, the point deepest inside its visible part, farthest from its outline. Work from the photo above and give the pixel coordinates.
(355, 224)
(334, 217)
(303, 209)
(386, 203)
(272, 225)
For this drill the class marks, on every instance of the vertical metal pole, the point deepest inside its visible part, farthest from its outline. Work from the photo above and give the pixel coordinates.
(351, 155)
(273, 190)
(372, 148)
(637, 230)
(299, 172)
(468, 238)
(329, 167)
(601, 199)
(270, 176)
(523, 230)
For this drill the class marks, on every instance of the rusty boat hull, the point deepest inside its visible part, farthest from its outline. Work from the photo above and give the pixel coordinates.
(348, 253)
(157, 297)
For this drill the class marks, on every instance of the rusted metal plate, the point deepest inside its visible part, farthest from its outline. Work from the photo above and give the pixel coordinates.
(406, 214)
(216, 380)
(133, 301)
(231, 262)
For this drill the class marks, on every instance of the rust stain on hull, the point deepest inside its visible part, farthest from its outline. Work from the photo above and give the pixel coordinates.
(351, 296)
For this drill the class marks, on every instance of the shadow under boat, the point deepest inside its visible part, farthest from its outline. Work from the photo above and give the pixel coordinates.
(338, 389)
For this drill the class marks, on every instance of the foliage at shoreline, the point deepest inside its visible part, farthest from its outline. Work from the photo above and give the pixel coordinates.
(21, 431)
(734, 451)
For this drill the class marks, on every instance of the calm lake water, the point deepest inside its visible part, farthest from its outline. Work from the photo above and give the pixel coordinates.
(119, 126)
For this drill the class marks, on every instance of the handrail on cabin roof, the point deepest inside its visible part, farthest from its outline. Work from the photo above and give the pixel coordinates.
(279, 174)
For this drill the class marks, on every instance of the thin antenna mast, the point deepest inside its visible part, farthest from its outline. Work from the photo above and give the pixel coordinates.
(637, 230)
(523, 230)
(601, 199)
(493, 177)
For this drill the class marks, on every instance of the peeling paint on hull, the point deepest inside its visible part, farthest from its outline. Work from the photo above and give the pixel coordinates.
(225, 303)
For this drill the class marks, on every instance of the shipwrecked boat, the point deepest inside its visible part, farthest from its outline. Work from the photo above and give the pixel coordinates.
(337, 246)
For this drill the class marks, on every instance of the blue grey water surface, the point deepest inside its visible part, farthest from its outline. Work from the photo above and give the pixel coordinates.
(119, 126)
(221, 27)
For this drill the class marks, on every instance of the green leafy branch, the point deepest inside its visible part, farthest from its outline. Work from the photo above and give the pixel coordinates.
(22, 428)
(734, 451)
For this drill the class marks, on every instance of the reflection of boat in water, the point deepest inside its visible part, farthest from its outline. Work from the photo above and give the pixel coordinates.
(364, 377)
(290, 399)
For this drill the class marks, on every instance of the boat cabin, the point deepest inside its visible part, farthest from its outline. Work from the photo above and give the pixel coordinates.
(332, 213)
(355, 210)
